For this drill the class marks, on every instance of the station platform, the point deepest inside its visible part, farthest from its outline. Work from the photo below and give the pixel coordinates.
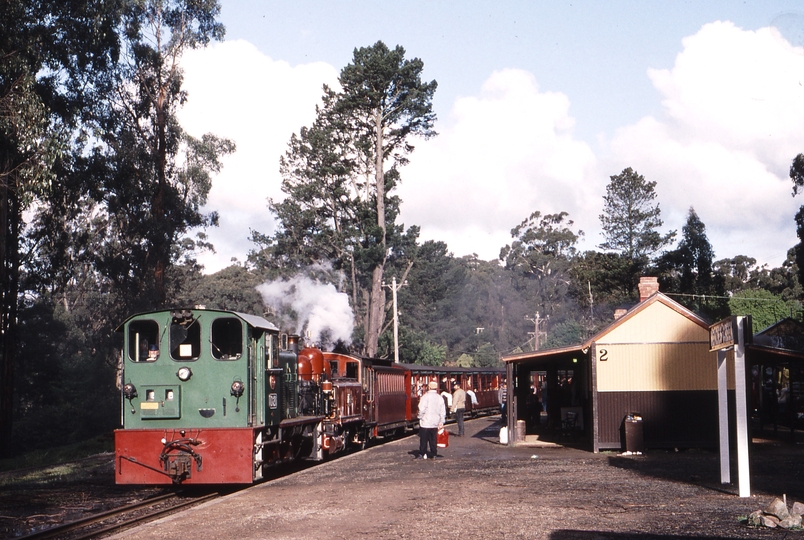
(479, 488)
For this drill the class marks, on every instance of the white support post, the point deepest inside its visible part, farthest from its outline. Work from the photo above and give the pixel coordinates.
(723, 415)
(741, 398)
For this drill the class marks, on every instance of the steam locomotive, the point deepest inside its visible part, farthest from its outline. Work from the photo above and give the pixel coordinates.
(218, 397)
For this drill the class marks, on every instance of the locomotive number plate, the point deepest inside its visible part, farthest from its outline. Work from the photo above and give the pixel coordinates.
(272, 401)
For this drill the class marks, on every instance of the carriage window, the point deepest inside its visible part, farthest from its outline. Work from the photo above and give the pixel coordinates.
(143, 341)
(185, 338)
(271, 352)
(227, 338)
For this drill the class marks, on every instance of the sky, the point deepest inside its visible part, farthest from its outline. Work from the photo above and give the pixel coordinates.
(538, 103)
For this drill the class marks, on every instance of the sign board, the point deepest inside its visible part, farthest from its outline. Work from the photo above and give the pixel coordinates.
(723, 334)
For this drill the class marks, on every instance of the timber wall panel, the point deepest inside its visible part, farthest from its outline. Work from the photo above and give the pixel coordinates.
(669, 419)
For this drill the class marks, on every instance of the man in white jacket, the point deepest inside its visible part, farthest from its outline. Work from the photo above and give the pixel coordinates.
(432, 414)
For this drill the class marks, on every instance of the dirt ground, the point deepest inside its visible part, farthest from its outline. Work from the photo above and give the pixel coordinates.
(481, 489)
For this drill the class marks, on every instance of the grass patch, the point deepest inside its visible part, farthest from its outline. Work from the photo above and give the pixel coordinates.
(59, 454)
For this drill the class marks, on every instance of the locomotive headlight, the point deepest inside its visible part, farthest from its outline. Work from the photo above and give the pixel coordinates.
(237, 389)
(129, 391)
(184, 374)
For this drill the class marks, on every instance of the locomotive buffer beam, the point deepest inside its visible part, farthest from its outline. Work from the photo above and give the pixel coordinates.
(300, 421)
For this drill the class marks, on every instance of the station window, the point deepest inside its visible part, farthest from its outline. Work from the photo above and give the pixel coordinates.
(185, 338)
(143, 341)
(227, 338)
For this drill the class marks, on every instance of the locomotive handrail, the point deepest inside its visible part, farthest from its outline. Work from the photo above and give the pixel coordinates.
(135, 462)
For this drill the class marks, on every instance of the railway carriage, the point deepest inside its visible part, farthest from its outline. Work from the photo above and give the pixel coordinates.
(483, 382)
(216, 397)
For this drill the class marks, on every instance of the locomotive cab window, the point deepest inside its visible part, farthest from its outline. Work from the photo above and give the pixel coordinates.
(143, 341)
(227, 338)
(185, 337)
(271, 352)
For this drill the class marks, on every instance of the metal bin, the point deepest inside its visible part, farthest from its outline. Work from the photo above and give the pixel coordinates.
(634, 436)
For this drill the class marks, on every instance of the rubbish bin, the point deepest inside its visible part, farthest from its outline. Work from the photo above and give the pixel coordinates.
(634, 437)
(521, 430)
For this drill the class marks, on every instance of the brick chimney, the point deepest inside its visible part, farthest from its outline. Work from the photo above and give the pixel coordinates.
(648, 286)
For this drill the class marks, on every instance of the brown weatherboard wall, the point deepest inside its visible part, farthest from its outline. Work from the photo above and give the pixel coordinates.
(670, 419)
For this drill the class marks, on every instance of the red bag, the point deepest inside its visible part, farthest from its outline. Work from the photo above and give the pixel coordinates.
(443, 438)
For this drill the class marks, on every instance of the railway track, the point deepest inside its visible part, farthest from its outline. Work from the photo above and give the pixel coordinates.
(120, 518)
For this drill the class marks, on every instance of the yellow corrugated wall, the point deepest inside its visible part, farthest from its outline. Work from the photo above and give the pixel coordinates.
(659, 349)
(657, 323)
(655, 367)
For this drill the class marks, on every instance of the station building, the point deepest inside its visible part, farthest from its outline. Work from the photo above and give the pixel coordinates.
(651, 365)
(776, 358)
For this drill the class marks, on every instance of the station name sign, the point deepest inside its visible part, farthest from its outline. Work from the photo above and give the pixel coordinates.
(723, 334)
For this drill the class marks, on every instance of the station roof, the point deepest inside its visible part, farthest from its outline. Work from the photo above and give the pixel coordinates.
(583, 347)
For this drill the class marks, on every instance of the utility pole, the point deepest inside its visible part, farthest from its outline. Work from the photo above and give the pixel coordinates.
(394, 288)
(537, 322)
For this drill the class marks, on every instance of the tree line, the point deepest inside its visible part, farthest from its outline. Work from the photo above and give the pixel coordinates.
(100, 217)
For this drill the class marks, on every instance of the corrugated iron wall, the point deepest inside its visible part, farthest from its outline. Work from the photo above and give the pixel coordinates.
(670, 419)
(658, 323)
(641, 367)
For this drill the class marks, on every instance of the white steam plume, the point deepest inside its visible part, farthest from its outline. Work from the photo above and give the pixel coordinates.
(311, 308)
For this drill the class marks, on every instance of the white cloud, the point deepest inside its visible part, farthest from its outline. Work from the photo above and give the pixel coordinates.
(733, 107)
(729, 126)
(499, 157)
(235, 91)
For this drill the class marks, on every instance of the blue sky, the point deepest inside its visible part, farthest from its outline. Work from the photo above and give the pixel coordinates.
(539, 103)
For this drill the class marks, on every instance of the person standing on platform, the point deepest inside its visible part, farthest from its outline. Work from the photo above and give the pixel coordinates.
(502, 396)
(432, 414)
(458, 405)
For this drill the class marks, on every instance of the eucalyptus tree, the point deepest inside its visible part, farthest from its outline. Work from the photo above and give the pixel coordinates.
(432, 303)
(50, 52)
(601, 282)
(797, 176)
(541, 258)
(128, 186)
(738, 272)
(155, 177)
(339, 175)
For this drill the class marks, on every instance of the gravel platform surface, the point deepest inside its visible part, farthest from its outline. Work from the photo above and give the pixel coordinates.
(481, 489)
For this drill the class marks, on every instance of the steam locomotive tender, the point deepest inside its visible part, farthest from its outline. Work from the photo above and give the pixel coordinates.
(217, 397)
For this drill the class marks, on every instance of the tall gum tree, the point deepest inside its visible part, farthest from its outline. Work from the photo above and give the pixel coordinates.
(156, 177)
(49, 52)
(797, 176)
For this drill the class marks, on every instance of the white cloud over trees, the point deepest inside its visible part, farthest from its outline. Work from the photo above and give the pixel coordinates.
(726, 127)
